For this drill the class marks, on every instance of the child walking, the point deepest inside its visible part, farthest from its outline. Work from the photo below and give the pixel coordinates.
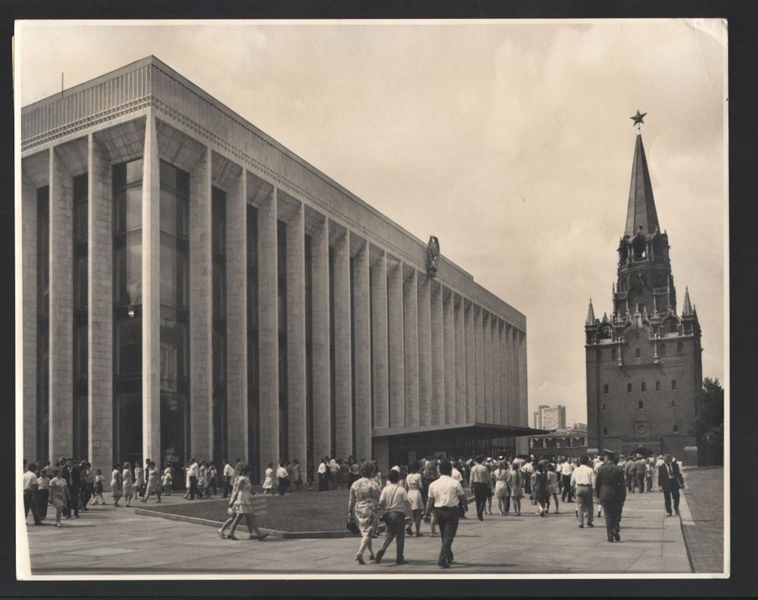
(99, 487)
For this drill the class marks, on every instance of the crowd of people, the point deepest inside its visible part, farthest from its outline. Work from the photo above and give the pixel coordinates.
(429, 490)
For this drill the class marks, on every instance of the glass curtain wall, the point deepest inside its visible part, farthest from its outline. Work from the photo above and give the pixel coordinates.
(218, 244)
(127, 311)
(80, 415)
(253, 430)
(174, 300)
(43, 323)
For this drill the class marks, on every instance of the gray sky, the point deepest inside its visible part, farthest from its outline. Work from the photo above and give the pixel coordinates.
(509, 141)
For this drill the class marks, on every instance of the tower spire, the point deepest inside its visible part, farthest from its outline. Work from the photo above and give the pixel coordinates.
(590, 315)
(641, 214)
(687, 307)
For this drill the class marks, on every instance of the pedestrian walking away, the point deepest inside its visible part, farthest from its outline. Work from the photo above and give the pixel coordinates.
(445, 494)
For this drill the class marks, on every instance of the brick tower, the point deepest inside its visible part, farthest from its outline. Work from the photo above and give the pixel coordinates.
(644, 369)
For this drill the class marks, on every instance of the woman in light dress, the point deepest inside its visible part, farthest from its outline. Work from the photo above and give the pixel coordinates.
(243, 506)
(414, 483)
(59, 495)
(139, 479)
(552, 487)
(232, 497)
(116, 484)
(517, 489)
(362, 508)
(268, 483)
(503, 488)
(152, 486)
(128, 484)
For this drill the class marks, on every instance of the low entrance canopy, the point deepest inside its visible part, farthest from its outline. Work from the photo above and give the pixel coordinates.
(395, 446)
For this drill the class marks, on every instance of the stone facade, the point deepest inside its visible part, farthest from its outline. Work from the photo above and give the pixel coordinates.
(389, 346)
(644, 369)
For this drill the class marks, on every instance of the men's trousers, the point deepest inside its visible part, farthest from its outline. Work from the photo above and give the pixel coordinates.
(447, 521)
(194, 491)
(641, 481)
(30, 502)
(395, 528)
(480, 494)
(667, 494)
(584, 503)
(612, 512)
(567, 492)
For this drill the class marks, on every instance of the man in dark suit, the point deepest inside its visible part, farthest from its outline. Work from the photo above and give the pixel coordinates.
(670, 480)
(610, 487)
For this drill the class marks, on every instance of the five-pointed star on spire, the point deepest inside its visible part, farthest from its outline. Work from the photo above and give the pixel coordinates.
(638, 118)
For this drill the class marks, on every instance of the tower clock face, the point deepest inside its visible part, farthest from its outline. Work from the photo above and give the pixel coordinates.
(641, 429)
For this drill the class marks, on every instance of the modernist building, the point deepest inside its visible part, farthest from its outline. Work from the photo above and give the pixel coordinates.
(644, 371)
(192, 288)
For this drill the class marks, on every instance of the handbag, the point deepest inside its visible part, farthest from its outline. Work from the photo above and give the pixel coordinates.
(352, 527)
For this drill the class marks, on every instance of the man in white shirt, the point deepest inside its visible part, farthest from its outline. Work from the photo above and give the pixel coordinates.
(194, 472)
(283, 476)
(395, 505)
(228, 474)
(30, 493)
(567, 468)
(322, 480)
(583, 479)
(445, 494)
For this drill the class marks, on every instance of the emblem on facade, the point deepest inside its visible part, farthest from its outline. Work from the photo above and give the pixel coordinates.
(432, 256)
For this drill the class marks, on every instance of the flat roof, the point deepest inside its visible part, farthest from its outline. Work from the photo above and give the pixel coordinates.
(481, 428)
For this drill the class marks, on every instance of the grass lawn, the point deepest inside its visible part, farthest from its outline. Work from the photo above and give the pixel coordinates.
(298, 511)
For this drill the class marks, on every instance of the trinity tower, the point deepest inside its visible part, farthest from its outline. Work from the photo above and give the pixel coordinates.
(644, 370)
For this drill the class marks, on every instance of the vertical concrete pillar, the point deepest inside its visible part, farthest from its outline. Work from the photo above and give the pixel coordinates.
(487, 360)
(460, 361)
(362, 353)
(448, 336)
(424, 351)
(322, 392)
(516, 386)
(509, 373)
(268, 330)
(479, 343)
(396, 352)
(438, 358)
(151, 295)
(523, 390)
(410, 335)
(343, 377)
(379, 342)
(296, 386)
(496, 416)
(236, 310)
(100, 307)
(26, 306)
(61, 309)
(468, 326)
(201, 309)
(503, 374)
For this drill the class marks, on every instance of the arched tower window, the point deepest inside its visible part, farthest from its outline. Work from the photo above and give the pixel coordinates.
(637, 353)
(605, 388)
(639, 247)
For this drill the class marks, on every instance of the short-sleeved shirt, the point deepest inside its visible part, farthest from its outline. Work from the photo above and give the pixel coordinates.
(479, 474)
(282, 473)
(445, 492)
(567, 468)
(30, 481)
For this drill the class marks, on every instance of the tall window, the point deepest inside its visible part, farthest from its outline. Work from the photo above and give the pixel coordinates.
(637, 353)
(174, 337)
(253, 430)
(282, 297)
(43, 322)
(605, 388)
(663, 350)
(673, 384)
(628, 388)
(657, 386)
(127, 310)
(80, 415)
(218, 244)
(644, 387)
(679, 347)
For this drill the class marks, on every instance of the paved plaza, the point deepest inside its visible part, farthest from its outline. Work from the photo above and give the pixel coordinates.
(108, 540)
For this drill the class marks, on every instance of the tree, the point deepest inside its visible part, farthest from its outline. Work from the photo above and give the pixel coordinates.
(709, 425)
